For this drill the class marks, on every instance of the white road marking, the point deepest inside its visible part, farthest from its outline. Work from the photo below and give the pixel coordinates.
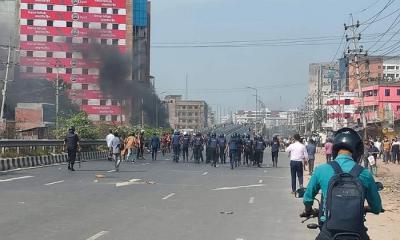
(205, 173)
(111, 171)
(52, 183)
(145, 163)
(238, 187)
(251, 200)
(260, 181)
(168, 196)
(130, 182)
(97, 235)
(16, 178)
(239, 239)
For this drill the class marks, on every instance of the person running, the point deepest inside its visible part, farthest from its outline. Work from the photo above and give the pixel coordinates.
(311, 150)
(130, 143)
(116, 145)
(71, 142)
(328, 150)
(155, 146)
(298, 155)
(275, 145)
(109, 138)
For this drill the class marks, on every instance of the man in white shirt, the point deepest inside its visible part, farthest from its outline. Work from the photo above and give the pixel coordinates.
(298, 155)
(116, 150)
(109, 139)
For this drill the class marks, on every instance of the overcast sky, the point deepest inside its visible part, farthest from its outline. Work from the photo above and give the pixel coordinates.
(280, 72)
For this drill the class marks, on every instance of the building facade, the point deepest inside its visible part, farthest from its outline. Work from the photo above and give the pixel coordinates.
(340, 110)
(49, 32)
(186, 114)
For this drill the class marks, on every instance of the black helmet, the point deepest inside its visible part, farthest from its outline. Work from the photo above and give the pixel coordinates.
(347, 138)
(213, 135)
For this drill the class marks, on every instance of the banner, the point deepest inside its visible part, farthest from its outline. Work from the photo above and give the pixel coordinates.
(102, 110)
(67, 78)
(86, 3)
(72, 32)
(53, 62)
(70, 16)
(85, 94)
(60, 46)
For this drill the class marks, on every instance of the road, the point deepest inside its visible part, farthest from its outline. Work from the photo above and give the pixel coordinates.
(150, 201)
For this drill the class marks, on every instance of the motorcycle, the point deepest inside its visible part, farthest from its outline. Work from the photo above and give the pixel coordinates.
(316, 214)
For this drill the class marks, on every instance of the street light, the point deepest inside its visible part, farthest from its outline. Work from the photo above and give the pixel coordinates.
(255, 117)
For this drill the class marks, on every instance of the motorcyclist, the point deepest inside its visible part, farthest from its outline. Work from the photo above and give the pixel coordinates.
(347, 151)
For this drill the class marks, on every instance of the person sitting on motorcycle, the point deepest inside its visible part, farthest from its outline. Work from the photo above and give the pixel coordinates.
(347, 151)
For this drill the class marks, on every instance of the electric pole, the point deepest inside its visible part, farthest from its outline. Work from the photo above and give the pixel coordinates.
(354, 52)
(57, 91)
(5, 83)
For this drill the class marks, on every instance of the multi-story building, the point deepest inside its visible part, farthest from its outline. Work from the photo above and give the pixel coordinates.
(340, 110)
(186, 114)
(50, 30)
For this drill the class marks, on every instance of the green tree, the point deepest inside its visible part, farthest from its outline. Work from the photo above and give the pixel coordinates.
(84, 127)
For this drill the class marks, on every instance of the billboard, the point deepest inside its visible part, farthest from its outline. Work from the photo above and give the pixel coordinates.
(140, 13)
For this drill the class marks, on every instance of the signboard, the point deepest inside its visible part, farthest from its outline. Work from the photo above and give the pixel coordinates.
(91, 3)
(70, 16)
(67, 78)
(102, 110)
(58, 46)
(53, 62)
(86, 94)
(76, 32)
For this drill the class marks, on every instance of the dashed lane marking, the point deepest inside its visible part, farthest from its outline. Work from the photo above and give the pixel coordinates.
(52, 183)
(260, 181)
(15, 178)
(98, 235)
(130, 182)
(110, 171)
(205, 173)
(168, 196)
(251, 200)
(238, 187)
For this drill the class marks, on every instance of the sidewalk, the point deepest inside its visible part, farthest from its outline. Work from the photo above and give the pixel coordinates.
(383, 226)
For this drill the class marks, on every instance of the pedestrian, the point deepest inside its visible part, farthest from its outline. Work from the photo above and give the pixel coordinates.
(206, 141)
(71, 142)
(116, 146)
(232, 144)
(213, 149)
(386, 150)
(275, 145)
(185, 146)
(222, 148)
(298, 155)
(259, 150)
(140, 145)
(109, 138)
(176, 145)
(154, 145)
(130, 144)
(328, 150)
(197, 147)
(248, 150)
(378, 145)
(311, 150)
(395, 150)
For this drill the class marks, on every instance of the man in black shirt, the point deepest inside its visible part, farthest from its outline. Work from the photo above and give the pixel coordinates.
(71, 141)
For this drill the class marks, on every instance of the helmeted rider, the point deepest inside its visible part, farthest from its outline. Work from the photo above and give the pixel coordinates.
(347, 151)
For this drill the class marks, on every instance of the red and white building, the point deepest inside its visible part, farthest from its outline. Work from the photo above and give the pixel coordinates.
(49, 29)
(340, 108)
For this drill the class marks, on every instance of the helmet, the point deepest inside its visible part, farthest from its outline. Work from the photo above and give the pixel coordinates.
(213, 135)
(347, 138)
(185, 133)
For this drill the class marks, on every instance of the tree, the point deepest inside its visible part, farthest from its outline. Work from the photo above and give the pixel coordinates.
(84, 127)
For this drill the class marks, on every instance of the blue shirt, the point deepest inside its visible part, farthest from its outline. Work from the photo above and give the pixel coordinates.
(323, 173)
(155, 142)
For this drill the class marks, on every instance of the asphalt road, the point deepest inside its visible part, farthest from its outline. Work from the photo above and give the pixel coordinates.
(150, 201)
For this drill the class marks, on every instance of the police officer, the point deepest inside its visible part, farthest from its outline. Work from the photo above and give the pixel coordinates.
(212, 146)
(185, 146)
(232, 144)
(259, 150)
(176, 145)
(71, 141)
(240, 149)
(275, 145)
(347, 151)
(197, 147)
(222, 148)
(248, 150)
(208, 154)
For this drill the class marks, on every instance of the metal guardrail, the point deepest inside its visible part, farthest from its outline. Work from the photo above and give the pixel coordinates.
(11, 143)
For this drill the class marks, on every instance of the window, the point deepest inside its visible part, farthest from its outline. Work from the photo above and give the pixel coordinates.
(397, 75)
(85, 71)
(85, 25)
(85, 102)
(30, 6)
(347, 102)
(29, 53)
(49, 23)
(68, 55)
(397, 67)
(68, 70)
(50, 7)
(384, 67)
(30, 22)
(49, 54)
(115, 11)
(29, 38)
(115, 26)
(398, 92)
(379, 75)
(69, 24)
(387, 92)
(102, 117)
(68, 39)
(103, 102)
(104, 26)
(85, 86)
(103, 41)
(379, 67)
(49, 70)
(85, 40)
(398, 107)
(85, 9)
(114, 102)
(115, 42)
(29, 69)
(375, 92)
(69, 8)
(103, 10)
(114, 118)
(49, 38)
(390, 67)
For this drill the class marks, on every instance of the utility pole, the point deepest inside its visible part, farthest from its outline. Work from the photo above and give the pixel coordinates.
(357, 50)
(57, 91)
(142, 115)
(5, 83)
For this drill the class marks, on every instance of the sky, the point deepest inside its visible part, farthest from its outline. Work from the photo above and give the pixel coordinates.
(279, 72)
